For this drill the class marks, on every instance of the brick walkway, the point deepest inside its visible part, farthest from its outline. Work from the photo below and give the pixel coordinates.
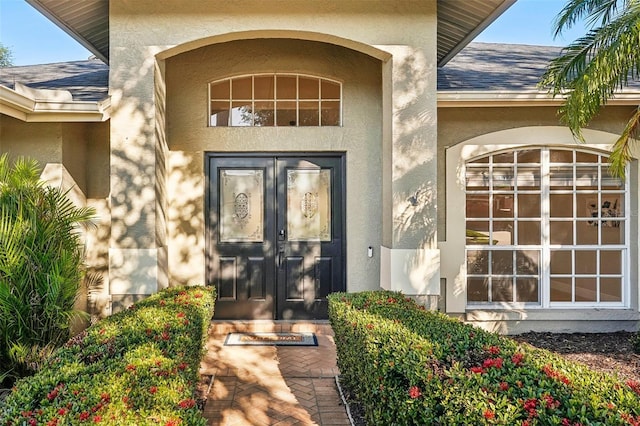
(272, 385)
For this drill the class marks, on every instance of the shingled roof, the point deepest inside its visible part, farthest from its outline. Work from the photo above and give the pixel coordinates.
(479, 66)
(86, 80)
(493, 66)
(497, 66)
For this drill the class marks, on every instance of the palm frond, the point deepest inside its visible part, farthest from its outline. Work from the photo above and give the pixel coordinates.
(594, 12)
(621, 152)
(594, 67)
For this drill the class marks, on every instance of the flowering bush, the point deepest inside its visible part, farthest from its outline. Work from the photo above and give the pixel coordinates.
(411, 366)
(137, 367)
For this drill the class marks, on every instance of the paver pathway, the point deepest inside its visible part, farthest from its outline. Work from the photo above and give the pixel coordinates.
(272, 385)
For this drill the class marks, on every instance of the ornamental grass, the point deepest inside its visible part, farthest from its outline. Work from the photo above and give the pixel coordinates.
(409, 366)
(137, 367)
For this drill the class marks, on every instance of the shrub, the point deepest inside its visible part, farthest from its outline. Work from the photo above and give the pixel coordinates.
(408, 366)
(137, 367)
(41, 266)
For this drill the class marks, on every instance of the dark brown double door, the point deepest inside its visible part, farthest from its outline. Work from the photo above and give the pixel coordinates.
(275, 235)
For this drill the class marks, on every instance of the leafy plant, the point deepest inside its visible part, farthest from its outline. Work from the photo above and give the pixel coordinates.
(137, 367)
(409, 366)
(41, 266)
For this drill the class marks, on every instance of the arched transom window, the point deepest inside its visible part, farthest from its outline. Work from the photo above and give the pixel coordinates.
(545, 226)
(275, 100)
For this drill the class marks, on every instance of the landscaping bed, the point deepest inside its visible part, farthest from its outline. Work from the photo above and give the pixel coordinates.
(405, 365)
(138, 367)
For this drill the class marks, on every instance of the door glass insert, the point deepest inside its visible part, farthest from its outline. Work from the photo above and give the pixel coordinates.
(241, 205)
(309, 205)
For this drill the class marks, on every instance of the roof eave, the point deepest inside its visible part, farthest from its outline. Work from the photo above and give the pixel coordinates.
(37, 4)
(506, 4)
(28, 109)
(512, 98)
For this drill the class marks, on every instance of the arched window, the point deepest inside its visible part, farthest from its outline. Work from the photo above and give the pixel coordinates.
(545, 226)
(275, 100)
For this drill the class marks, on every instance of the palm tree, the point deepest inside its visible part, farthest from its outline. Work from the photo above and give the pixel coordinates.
(591, 69)
(41, 266)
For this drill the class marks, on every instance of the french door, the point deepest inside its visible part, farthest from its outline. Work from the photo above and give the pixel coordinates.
(275, 235)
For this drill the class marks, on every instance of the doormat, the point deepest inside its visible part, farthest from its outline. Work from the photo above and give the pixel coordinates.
(270, 338)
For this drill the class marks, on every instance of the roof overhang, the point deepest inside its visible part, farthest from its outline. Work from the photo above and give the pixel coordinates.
(502, 98)
(459, 22)
(87, 21)
(27, 107)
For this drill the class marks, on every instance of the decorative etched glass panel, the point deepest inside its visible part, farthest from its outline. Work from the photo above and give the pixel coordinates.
(309, 205)
(241, 205)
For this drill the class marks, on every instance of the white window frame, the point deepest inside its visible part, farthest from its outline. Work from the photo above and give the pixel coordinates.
(545, 247)
(275, 99)
(453, 255)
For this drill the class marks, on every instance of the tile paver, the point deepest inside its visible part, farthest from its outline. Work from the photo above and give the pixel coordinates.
(272, 385)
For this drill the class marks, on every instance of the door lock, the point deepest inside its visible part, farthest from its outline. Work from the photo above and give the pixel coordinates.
(281, 235)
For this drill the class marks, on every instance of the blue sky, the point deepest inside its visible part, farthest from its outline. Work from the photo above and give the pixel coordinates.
(34, 39)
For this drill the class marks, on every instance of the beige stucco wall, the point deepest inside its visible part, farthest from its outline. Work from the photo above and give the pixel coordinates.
(360, 138)
(148, 154)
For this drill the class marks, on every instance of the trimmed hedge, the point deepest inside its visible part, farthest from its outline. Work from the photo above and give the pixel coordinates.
(137, 367)
(409, 366)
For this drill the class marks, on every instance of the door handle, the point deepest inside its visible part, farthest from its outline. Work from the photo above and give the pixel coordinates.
(280, 255)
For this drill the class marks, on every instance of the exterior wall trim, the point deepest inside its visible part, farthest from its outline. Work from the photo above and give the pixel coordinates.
(367, 49)
(510, 98)
(30, 109)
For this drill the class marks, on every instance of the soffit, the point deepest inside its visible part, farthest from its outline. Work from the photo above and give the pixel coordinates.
(87, 21)
(459, 22)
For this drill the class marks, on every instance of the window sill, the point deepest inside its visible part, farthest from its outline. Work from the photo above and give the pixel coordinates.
(593, 314)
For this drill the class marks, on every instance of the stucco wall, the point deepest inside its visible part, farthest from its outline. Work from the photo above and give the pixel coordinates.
(146, 35)
(360, 137)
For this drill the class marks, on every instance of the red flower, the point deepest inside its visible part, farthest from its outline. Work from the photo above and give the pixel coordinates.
(182, 366)
(566, 422)
(84, 416)
(52, 395)
(198, 295)
(97, 419)
(105, 397)
(162, 303)
(492, 362)
(488, 414)
(130, 367)
(504, 386)
(187, 403)
(370, 326)
(634, 385)
(530, 407)
(62, 411)
(172, 423)
(52, 422)
(33, 422)
(517, 358)
(477, 370)
(153, 389)
(414, 392)
(180, 315)
(494, 350)
(549, 402)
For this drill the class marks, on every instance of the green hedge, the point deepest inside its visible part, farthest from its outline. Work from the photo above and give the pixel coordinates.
(137, 367)
(408, 366)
